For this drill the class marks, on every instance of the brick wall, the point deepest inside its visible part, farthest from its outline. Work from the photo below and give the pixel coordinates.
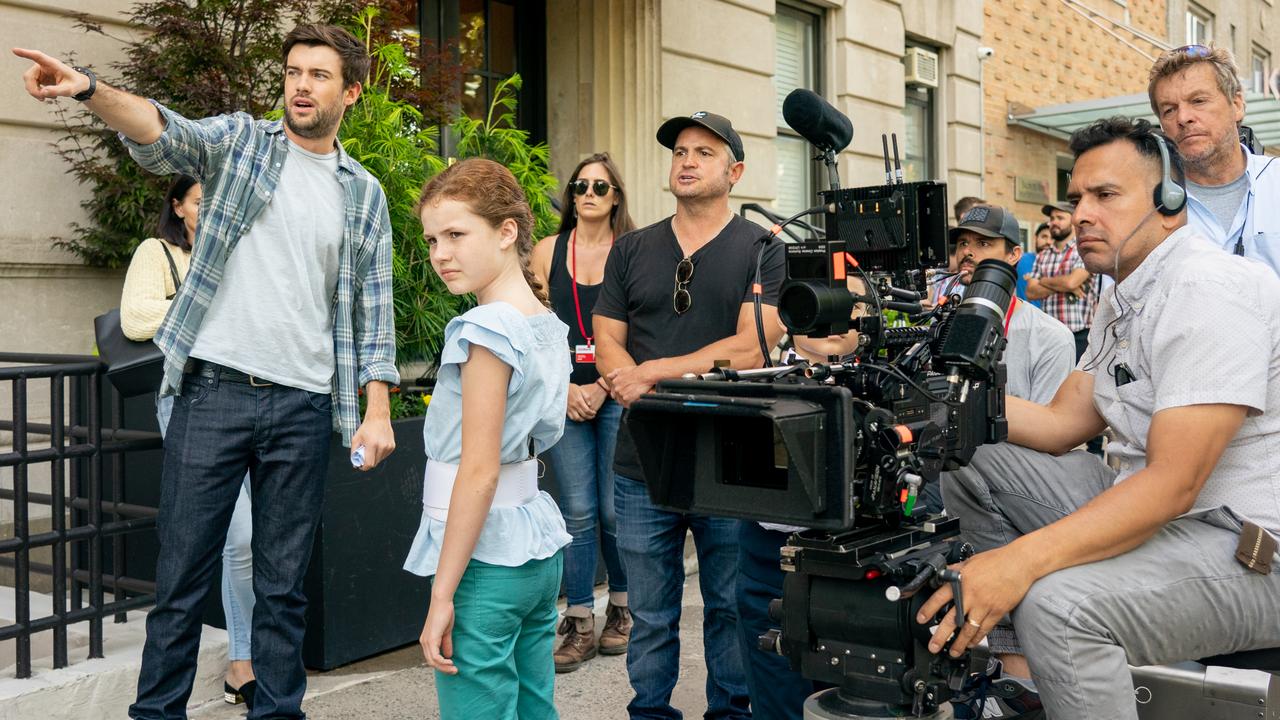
(1047, 54)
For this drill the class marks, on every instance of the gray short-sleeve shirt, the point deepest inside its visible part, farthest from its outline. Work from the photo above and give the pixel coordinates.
(1194, 325)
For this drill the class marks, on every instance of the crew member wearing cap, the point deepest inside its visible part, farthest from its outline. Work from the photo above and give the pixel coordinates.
(678, 298)
(1061, 280)
(1041, 351)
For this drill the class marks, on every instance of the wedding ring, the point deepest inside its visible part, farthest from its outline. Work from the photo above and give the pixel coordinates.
(972, 624)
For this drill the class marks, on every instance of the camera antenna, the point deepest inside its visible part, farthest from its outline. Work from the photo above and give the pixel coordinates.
(888, 171)
(897, 164)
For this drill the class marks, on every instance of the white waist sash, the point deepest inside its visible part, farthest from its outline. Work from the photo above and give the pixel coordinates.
(517, 485)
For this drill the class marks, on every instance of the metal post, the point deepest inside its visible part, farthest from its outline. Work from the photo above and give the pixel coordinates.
(57, 489)
(21, 531)
(117, 495)
(95, 513)
(76, 413)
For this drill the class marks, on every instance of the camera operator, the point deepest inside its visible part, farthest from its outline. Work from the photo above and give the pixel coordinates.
(1099, 568)
(649, 328)
(1040, 351)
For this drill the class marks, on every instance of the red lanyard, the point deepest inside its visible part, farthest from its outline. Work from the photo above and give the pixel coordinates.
(573, 277)
(1013, 305)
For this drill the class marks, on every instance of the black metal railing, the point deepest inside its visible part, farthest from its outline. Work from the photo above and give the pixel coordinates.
(78, 511)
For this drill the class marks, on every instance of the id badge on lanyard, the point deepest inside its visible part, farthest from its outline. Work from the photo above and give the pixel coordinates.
(585, 353)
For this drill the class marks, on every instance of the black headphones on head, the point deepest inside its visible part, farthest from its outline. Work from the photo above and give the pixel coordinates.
(1170, 196)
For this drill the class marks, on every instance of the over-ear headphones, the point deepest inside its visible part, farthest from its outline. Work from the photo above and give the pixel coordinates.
(1170, 196)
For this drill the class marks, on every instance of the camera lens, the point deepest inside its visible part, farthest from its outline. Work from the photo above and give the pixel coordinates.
(991, 288)
(804, 306)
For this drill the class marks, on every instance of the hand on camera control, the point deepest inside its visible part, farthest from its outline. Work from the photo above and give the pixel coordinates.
(994, 582)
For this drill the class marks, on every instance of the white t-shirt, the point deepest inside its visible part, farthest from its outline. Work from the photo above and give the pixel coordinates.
(272, 315)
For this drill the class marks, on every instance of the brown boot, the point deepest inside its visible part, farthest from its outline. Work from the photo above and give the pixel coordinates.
(617, 630)
(579, 643)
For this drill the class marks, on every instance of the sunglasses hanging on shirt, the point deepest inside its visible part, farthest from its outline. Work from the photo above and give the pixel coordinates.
(681, 300)
(601, 188)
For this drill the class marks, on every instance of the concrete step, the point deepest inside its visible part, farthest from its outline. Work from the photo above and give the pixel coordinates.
(98, 688)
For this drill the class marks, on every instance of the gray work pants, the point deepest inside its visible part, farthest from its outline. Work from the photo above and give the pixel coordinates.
(1179, 596)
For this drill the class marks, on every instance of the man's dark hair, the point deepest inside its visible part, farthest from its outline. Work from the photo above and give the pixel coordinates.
(355, 59)
(1140, 133)
(1040, 228)
(171, 227)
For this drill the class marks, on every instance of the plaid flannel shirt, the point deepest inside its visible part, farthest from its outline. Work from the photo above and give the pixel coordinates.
(1076, 313)
(238, 160)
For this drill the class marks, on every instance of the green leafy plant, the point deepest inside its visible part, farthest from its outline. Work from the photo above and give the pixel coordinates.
(203, 58)
(389, 136)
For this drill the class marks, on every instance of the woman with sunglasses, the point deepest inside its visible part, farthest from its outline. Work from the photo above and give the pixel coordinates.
(571, 265)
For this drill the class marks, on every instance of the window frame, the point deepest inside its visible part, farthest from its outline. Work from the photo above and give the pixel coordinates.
(1259, 53)
(440, 21)
(816, 16)
(1205, 18)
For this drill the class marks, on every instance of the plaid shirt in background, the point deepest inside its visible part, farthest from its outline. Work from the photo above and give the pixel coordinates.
(1074, 312)
(238, 161)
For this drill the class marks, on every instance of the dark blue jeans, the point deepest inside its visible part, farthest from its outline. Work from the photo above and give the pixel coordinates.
(583, 463)
(651, 544)
(218, 429)
(777, 691)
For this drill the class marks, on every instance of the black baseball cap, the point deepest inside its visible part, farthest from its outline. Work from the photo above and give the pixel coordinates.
(989, 221)
(1064, 206)
(717, 124)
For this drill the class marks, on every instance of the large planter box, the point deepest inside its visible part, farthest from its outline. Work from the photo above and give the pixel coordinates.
(360, 601)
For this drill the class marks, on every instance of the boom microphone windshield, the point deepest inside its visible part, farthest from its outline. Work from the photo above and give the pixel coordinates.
(817, 121)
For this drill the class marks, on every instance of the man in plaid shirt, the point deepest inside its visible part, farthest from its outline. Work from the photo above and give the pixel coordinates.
(1060, 280)
(285, 313)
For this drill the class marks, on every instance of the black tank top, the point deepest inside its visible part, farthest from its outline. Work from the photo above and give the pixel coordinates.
(561, 295)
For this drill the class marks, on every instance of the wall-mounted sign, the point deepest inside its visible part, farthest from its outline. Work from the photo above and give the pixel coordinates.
(1030, 190)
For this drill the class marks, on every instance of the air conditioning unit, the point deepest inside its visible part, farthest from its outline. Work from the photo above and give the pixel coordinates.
(921, 67)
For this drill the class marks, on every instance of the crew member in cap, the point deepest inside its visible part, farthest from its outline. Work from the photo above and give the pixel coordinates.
(677, 298)
(1060, 279)
(1041, 351)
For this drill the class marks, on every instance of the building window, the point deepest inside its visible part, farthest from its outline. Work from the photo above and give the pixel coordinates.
(1258, 67)
(918, 145)
(1199, 26)
(796, 63)
(494, 39)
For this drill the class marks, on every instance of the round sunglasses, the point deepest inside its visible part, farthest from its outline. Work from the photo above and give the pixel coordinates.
(600, 187)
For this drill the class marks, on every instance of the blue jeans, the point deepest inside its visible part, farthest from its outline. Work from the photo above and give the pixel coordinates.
(651, 545)
(237, 559)
(583, 464)
(218, 430)
(777, 691)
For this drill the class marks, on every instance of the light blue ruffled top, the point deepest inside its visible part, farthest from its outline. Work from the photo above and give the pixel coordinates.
(537, 350)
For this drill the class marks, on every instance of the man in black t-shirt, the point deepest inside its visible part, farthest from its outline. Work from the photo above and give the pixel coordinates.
(677, 298)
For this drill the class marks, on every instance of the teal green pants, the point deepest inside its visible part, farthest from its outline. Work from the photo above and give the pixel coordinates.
(504, 633)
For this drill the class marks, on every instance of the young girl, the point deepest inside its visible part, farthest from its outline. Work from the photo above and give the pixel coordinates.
(490, 539)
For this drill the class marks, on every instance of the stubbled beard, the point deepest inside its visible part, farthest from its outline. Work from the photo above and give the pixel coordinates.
(326, 119)
(1060, 234)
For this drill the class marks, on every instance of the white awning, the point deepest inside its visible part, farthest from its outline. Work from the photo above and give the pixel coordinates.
(1262, 113)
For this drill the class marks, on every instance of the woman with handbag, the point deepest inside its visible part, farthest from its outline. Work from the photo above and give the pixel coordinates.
(156, 272)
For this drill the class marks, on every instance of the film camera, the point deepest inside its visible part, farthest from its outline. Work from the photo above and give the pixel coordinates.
(846, 448)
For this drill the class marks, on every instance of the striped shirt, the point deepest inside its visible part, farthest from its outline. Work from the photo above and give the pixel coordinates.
(238, 160)
(1074, 312)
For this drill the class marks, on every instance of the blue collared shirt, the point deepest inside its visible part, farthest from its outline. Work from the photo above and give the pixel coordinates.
(1256, 227)
(238, 161)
